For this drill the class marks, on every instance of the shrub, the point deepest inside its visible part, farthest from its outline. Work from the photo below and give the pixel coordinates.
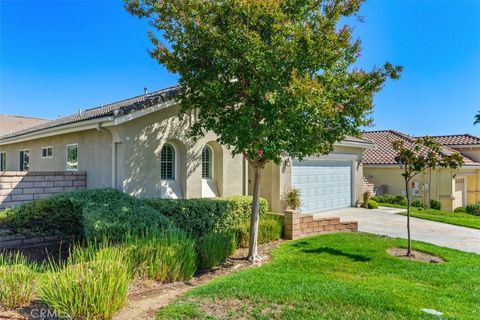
(199, 217)
(214, 248)
(164, 256)
(366, 198)
(435, 204)
(270, 228)
(56, 214)
(473, 209)
(17, 280)
(417, 203)
(460, 210)
(102, 214)
(391, 199)
(372, 204)
(292, 199)
(91, 285)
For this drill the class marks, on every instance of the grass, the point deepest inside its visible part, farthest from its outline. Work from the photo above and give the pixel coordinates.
(17, 280)
(340, 276)
(456, 218)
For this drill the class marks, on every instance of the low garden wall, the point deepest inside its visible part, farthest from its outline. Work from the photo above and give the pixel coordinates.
(301, 225)
(17, 187)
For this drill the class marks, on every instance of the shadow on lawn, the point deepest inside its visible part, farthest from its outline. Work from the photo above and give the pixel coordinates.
(336, 252)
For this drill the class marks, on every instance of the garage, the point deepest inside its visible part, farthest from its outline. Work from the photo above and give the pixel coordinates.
(323, 184)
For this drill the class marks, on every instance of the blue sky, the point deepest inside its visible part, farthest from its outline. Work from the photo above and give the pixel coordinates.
(61, 56)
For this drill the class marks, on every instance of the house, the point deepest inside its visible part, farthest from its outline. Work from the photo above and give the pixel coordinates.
(11, 123)
(453, 188)
(140, 146)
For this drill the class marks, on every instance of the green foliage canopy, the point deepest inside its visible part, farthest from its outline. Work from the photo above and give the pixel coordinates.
(267, 76)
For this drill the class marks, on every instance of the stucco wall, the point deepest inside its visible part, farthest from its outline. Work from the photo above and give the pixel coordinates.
(138, 171)
(441, 187)
(94, 155)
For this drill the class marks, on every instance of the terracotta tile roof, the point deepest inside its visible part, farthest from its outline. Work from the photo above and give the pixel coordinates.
(113, 109)
(12, 123)
(458, 140)
(384, 154)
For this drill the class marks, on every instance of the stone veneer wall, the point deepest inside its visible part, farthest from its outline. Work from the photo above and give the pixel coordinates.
(17, 187)
(301, 225)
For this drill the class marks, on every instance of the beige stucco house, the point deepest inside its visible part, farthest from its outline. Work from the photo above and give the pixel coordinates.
(453, 188)
(140, 146)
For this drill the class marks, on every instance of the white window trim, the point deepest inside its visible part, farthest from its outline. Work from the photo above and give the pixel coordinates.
(66, 157)
(175, 162)
(47, 157)
(212, 163)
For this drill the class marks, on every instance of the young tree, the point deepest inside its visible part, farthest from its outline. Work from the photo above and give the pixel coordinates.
(426, 153)
(270, 77)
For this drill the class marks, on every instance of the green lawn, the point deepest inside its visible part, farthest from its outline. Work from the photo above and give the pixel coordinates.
(340, 276)
(459, 219)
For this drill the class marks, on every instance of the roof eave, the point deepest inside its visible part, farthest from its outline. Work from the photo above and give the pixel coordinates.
(364, 145)
(62, 129)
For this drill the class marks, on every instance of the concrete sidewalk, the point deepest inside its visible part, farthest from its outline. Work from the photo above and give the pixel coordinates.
(385, 221)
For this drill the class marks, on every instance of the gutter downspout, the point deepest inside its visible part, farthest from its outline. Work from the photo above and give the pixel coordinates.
(115, 140)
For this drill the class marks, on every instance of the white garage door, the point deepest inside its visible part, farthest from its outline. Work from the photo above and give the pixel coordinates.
(323, 184)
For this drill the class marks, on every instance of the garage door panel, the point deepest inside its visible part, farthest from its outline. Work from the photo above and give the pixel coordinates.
(323, 185)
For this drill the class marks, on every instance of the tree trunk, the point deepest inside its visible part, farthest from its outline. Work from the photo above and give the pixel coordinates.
(252, 246)
(409, 250)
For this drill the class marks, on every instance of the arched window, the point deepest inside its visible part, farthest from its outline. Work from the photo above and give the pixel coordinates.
(167, 162)
(207, 161)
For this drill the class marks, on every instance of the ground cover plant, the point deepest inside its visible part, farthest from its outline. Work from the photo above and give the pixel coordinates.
(340, 276)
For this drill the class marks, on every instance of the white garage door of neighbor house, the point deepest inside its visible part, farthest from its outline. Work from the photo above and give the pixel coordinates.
(323, 184)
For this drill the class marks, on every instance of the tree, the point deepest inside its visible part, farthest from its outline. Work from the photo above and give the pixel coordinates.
(426, 153)
(477, 118)
(272, 78)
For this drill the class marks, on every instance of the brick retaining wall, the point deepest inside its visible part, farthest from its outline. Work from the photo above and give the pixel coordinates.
(301, 225)
(19, 187)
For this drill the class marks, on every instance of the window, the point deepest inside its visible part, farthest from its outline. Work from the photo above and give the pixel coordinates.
(3, 161)
(47, 152)
(24, 160)
(72, 157)
(167, 162)
(207, 161)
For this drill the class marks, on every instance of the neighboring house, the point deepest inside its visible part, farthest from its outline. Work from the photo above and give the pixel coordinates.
(453, 188)
(11, 123)
(140, 146)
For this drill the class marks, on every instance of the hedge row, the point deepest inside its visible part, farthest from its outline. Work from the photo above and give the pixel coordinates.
(202, 216)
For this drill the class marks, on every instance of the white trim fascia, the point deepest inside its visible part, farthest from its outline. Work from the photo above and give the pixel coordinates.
(462, 146)
(140, 113)
(62, 129)
(364, 145)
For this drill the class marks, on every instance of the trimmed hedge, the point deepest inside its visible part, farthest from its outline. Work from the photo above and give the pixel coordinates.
(417, 203)
(101, 214)
(460, 210)
(391, 199)
(270, 228)
(372, 204)
(473, 209)
(200, 217)
(435, 204)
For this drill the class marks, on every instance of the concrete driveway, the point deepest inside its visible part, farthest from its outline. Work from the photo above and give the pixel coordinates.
(384, 221)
